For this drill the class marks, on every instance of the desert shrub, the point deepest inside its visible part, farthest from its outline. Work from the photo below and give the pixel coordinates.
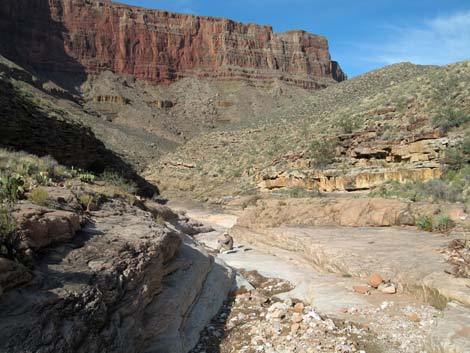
(32, 169)
(11, 187)
(444, 223)
(237, 173)
(323, 152)
(86, 177)
(86, 201)
(6, 223)
(47, 165)
(449, 118)
(426, 223)
(7, 228)
(43, 179)
(457, 157)
(400, 104)
(433, 190)
(60, 172)
(160, 220)
(348, 124)
(116, 179)
(464, 146)
(39, 196)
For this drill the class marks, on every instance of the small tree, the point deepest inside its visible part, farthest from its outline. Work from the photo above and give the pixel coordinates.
(323, 152)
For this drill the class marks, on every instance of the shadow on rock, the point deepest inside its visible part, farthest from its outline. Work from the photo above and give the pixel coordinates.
(26, 127)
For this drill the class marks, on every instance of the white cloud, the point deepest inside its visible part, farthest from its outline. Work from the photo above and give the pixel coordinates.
(439, 41)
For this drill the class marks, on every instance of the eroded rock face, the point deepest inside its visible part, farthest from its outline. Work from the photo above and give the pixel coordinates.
(92, 36)
(39, 227)
(122, 284)
(369, 165)
(359, 180)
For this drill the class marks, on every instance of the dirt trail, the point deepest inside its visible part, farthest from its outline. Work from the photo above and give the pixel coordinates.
(389, 322)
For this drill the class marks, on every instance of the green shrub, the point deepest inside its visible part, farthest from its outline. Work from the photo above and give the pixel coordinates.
(86, 177)
(87, 201)
(47, 165)
(426, 223)
(11, 188)
(458, 156)
(432, 190)
(43, 179)
(444, 223)
(39, 196)
(237, 173)
(429, 224)
(7, 229)
(6, 223)
(116, 179)
(323, 152)
(348, 124)
(300, 192)
(449, 118)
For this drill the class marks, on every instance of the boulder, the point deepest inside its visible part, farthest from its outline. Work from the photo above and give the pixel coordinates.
(40, 227)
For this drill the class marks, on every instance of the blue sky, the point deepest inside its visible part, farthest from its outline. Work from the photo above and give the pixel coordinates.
(363, 34)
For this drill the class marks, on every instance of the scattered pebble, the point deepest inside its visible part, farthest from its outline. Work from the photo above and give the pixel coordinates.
(259, 322)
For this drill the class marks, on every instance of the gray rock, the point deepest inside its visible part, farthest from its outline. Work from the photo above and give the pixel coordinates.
(452, 332)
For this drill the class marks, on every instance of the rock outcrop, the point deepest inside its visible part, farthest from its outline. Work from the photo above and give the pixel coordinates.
(122, 284)
(333, 181)
(83, 36)
(344, 212)
(370, 164)
(40, 227)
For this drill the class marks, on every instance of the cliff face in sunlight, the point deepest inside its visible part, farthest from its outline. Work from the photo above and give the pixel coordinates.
(87, 36)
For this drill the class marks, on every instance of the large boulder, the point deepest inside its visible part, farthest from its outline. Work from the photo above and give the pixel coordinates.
(39, 227)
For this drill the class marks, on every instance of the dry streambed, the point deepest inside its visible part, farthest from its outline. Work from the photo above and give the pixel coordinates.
(326, 311)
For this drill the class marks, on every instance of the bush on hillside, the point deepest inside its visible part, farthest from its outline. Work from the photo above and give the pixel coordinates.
(39, 196)
(449, 118)
(348, 124)
(114, 178)
(323, 152)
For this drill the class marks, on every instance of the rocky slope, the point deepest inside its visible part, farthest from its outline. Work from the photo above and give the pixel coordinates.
(82, 37)
(400, 123)
(36, 121)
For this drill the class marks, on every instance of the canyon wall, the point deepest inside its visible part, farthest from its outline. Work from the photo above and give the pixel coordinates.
(91, 36)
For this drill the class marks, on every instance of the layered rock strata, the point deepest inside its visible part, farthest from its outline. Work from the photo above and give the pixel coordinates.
(83, 36)
(368, 166)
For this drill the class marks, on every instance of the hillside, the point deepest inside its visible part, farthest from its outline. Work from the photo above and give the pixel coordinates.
(394, 124)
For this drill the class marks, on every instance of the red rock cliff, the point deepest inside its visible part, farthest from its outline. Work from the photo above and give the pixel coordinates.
(90, 36)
